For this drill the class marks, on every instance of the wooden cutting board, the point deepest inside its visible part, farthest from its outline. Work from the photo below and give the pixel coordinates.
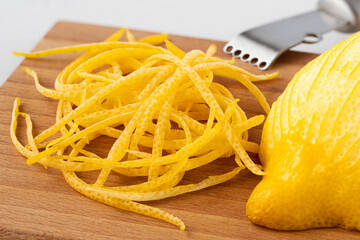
(36, 203)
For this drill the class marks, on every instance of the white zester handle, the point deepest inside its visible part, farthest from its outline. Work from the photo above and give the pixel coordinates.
(347, 10)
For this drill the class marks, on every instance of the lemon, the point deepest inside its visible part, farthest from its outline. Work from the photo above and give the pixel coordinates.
(310, 147)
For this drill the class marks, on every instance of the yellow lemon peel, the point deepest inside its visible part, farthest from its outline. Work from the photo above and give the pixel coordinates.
(310, 147)
(145, 97)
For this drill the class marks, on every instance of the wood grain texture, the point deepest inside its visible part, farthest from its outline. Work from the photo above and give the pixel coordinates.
(38, 204)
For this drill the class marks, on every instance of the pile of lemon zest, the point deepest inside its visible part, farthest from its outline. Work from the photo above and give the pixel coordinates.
(144, 97)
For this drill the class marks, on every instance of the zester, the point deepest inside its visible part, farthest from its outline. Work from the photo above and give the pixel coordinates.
(261, 46)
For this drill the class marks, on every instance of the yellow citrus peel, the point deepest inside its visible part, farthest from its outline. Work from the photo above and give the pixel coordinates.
(310, 147)
(162, 107)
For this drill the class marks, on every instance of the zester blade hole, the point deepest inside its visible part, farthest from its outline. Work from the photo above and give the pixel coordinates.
(246, 56)
(229, 48)
(262, 64)
(254, 61)
(311, 38)
(237, 53)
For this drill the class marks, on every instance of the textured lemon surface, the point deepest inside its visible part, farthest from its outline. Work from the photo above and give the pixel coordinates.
(310, 147)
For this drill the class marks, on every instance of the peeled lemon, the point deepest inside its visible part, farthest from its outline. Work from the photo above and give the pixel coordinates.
(310, 147)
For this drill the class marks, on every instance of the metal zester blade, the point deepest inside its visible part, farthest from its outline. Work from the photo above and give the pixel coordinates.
(261, 46)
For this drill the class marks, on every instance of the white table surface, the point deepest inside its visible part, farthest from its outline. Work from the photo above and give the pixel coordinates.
(24, 22)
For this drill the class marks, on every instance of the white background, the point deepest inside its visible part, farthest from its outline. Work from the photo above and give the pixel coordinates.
(24, 22)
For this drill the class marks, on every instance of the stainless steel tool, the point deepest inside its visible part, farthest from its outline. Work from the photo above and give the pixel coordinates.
(261, 46)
